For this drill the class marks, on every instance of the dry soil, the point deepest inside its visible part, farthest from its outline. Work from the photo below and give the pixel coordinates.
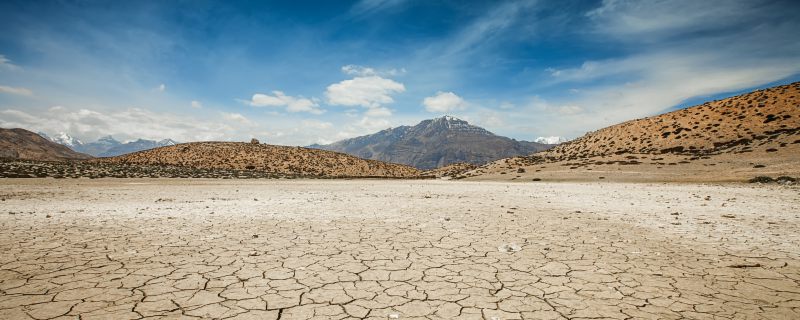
(268, 249)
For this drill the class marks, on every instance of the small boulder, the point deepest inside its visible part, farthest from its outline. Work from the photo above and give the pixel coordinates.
(254, 141)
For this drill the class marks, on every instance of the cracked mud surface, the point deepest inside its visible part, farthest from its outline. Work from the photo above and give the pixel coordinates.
(134, 249)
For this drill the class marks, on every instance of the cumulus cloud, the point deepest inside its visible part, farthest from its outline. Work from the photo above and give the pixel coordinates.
(16, 90)
(369, 92)
(292, 104)
(196, 104)
(444, 102)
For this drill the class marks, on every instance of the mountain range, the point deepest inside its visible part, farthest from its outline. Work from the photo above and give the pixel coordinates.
(435, 143)
(106, 146)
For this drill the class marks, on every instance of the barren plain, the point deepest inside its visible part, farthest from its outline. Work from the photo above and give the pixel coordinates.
(336, 249)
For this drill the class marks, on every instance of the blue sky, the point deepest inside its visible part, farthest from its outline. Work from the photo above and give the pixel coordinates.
(303, 72)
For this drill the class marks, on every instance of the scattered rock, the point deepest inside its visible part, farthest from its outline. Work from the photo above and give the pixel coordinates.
(254, 141)
(745, 265)
(761, 179)
(509, 247)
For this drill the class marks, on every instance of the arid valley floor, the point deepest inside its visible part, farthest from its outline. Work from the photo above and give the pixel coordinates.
(333, 249)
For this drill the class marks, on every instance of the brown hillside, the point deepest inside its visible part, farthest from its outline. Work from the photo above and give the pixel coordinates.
(728, 125)
(25, 145)
(263, 157)
(757, 133)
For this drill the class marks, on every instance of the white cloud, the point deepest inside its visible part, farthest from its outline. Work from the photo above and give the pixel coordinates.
(493, 24)
(16, 90)
(368, 92)
(444, 102)
(358, 70)
(550, 140)
(236, 117)
(362, 71)
(656, 19)
(6, 63)
(369, 7)
(681, 50)
(87, 124)
(371, 124)
(161, 88)
(292, 104)
(196, 104)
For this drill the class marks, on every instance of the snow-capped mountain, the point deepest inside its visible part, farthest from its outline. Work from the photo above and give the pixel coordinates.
(62, 138)
(106, 146)
(551, 140)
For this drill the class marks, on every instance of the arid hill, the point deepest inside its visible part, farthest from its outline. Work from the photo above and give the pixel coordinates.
(262, 157)
(757, 133)
(26, 145)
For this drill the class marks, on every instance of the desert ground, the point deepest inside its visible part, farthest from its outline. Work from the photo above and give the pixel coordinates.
(398, 249)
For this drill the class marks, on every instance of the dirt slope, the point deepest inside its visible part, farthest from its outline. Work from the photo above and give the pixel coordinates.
(757, 133)
(26, 145)
(262, 157)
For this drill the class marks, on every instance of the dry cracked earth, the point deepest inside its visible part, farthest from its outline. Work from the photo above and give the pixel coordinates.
(211, 249)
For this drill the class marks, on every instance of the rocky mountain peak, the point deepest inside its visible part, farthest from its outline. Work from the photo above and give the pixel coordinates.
(434, 143)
